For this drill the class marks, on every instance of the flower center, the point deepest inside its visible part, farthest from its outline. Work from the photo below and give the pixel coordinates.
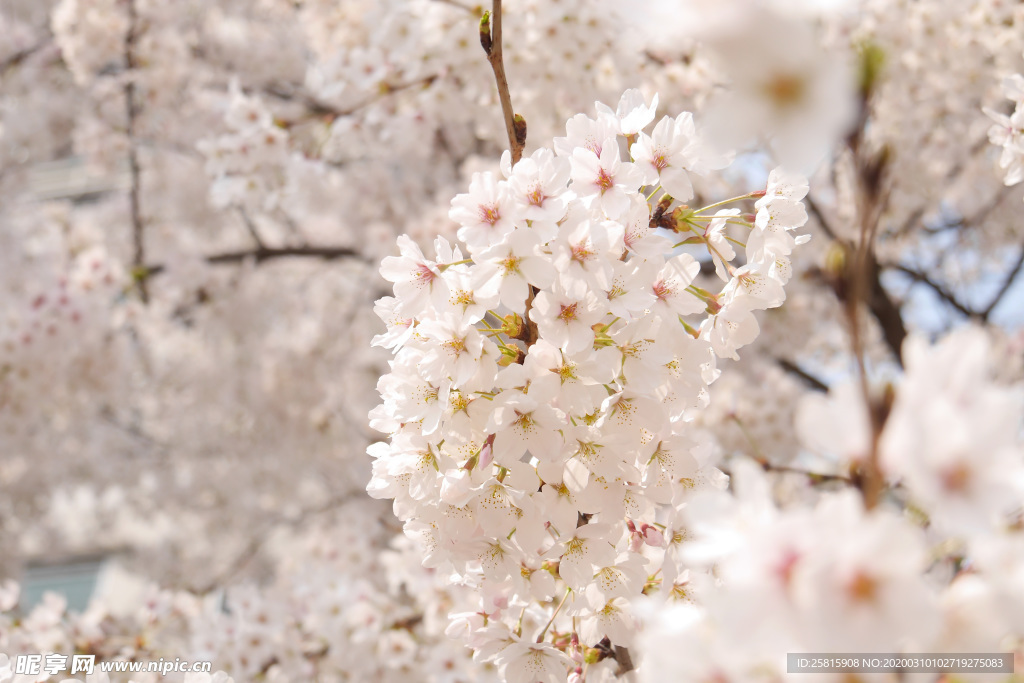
(568, 313)
(511, 264)
(490, 214)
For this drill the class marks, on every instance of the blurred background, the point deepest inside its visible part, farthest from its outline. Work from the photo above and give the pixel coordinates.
(194, 198)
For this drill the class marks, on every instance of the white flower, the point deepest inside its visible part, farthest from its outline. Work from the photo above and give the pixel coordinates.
(486, 213)
(669, 287)
(784, 85)
(524, 662)
(566, 319)
(721, 249)
(511, 267)
(417, 279)
(604, 180)
(586, 548)
(665, 156)
(539, 187)
(632, 113)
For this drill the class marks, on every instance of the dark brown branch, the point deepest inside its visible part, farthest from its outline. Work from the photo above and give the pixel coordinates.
(885, 310)
(259, 255)
(624, 660)
(1007, 283)
(943, 293)
(131, 114)
(490, 39)
(864, 283)
(318, 108)
(21, 55)
(808, 379)
(866, 270)
(813, 476)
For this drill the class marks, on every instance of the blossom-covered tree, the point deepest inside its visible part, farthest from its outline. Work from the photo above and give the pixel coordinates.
(694, 328)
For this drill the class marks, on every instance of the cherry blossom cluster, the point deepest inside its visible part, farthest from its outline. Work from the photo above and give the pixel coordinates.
(339, 606)
(1008, 131)
(543, 381)
(56, 330)
(246, 164)
(231, 405)
(935, 567)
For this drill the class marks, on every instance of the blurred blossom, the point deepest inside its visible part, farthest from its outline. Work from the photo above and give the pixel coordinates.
(783, 85)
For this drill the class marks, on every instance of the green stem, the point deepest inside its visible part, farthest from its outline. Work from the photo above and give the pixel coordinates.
(749, 195)
(445, 266)
(543, 632)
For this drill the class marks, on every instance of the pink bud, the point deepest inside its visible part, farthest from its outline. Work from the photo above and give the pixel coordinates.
(486, 455)
(575, 651)
(653, 536)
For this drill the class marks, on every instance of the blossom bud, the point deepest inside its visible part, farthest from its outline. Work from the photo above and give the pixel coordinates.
(510, 355)
(487, 453)
(680, 217)
(512, 325)
(485, 32)
(653, 536)
(519, 125)
(835, 261)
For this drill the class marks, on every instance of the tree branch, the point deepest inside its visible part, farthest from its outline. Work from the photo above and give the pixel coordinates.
(809, 379)
(319, 108)
(259, 255)
(131, 113)
(886, 311)
(490, 39)
(21, 55)
(943, 293)
(251, 227)
(1010, 277)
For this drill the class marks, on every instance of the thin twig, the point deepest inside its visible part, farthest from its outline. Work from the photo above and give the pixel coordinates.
(809, 379)
(543, 631)
(817, 476)
(259, 255)
(863, 282)
(21, 55)
(319, 108)
(490, 38)
(1010, 277)
(885, 309)
(943, 293)
(251, 227)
